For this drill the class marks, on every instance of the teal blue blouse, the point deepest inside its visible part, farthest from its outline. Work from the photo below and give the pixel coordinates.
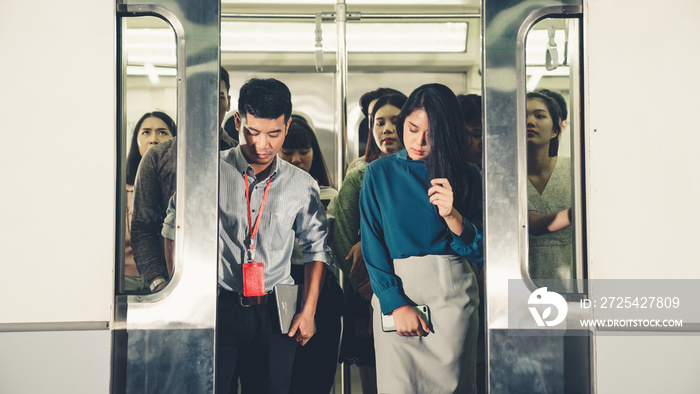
(398, 221)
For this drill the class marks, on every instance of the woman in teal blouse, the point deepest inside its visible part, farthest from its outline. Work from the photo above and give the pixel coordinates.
(421, 220)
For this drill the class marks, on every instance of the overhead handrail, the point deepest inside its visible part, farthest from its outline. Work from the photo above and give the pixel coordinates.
(318, 49)
(552, 56)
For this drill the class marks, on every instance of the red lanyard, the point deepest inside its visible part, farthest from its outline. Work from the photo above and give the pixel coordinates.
(254, 230)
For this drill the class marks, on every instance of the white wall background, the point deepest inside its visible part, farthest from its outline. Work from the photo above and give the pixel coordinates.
(643, 85)
(57, 168)
(643, 186)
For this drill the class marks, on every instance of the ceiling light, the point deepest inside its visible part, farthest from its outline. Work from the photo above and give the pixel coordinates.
(361, 37)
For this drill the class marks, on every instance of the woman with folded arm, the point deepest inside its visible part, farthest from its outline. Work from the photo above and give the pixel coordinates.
(548, 194)
(153, 128)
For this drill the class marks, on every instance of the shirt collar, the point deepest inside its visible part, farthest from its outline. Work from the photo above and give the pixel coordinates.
(402, 154)
(244, 167)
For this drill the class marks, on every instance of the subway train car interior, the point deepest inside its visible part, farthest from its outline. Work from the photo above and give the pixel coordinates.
(605, 303)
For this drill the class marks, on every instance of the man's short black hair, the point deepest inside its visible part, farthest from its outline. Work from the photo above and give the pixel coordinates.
(223, 75)
(265, 98)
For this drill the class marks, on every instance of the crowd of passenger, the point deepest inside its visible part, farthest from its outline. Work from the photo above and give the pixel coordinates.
(403, 231)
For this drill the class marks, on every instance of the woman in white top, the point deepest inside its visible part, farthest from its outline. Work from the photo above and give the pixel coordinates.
(549, 194)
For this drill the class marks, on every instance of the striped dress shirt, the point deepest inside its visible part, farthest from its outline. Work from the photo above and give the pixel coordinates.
(293, 210)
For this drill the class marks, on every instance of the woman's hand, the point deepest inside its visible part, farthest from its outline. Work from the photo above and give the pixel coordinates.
(410, 323)
(358, 271)
(441, 196)
(548, 223)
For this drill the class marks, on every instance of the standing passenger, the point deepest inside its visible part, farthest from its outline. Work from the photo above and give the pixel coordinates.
(471, 110)
(548, 194)
(367, 102)
(153, 128)
(315, 364)
(264, 204)
(358, 344)
(561, 102)
(421, 217)
(155, 184)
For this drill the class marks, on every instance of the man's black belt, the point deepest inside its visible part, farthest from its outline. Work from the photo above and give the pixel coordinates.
(250, 301)
(247, 301)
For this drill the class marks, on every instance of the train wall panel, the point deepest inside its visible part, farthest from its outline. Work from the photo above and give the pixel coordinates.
(642, 95)
(57, 160)
(63, 362)
(643, 190)
(642, 364)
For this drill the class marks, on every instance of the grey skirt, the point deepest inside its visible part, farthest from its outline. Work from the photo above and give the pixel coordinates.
(443, 361)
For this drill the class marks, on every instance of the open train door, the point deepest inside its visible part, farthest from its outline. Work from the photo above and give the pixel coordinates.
(521, 355)
(165, 342)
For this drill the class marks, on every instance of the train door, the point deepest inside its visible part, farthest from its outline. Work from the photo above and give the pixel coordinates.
(530, 46)
(329, 54)
(327, 72)
(168, 60)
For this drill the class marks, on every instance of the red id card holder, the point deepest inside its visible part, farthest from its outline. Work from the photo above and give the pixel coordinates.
(253, 279)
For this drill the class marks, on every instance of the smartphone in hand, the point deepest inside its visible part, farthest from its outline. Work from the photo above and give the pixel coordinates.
(388, 320)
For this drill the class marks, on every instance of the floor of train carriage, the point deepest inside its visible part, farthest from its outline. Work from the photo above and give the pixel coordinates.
(355, 384)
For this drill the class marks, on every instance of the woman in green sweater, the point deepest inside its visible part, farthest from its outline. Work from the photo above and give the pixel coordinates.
(357, 344)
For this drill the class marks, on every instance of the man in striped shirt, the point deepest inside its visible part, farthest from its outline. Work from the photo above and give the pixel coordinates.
(257, 190)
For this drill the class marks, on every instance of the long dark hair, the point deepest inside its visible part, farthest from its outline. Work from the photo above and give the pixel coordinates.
(555, 114)
(302, 136)
(372, 151)
(471, 108)
(447, 138)
(134, 158)
(558, 98)
(373, 95)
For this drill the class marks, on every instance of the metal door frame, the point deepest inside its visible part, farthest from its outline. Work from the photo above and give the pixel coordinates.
(504, 27)
(187, 306)
(155, 334)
